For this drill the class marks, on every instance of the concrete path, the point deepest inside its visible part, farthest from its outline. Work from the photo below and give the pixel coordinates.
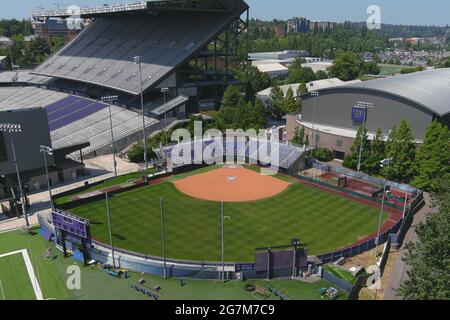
(100, 169)
(399, 268)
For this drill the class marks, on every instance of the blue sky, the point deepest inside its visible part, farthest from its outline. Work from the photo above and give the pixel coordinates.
(429, 12)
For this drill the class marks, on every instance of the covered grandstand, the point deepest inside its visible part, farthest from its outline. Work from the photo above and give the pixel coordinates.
(170, 37)
(288, 156)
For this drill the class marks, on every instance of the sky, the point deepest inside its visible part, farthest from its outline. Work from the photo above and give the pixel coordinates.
(420, 12)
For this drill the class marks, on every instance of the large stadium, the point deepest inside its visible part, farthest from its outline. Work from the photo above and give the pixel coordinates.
(196, 216)
(163, 60)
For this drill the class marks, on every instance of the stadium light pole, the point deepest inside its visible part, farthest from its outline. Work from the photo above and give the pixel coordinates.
(382, 163)
(223, 243)
(110, 229)
(138, 60)
(164, 91)
(48, 151)
(109, 100)
(365, 106)
(16, 128)
(163, 236)
(315, 94)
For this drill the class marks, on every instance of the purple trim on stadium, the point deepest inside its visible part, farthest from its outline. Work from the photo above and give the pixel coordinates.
(70, 109)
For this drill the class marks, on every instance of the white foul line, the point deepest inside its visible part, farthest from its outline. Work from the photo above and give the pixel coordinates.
(29, 265)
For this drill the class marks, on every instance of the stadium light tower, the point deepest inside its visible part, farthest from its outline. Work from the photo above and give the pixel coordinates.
(163, 236)
(109, 100)
(365, 106)
(48, 151)
(138, 60)
(16, 128)
(164, 92)
(315, 94)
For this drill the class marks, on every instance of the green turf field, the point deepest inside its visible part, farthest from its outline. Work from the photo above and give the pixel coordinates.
(15, 283)
(46, 271)
(95, 284)
(325, 221)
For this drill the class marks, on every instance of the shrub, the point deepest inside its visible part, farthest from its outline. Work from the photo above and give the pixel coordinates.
(323, 154)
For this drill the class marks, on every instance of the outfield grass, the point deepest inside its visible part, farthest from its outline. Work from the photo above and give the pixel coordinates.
(15, 283)
(325, 221)
(46, 271)
(107, 183)
(95, 284)
(341, 273)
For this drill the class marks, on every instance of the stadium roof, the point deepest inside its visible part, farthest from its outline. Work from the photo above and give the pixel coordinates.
(166, 34)
(102, 54)
(150, 6)
(177, 101)
(430, 89)
(313, 85)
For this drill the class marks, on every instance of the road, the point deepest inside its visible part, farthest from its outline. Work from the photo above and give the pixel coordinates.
(399, 268)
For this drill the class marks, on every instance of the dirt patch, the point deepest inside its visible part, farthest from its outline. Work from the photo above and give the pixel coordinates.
(231, 185)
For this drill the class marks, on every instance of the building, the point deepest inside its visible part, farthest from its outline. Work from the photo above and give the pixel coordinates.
(332, 119)
(50, 27)
(280, 31)
(264, 95)
(321, 25)
(274, 70)
(34, 133)
(3, 65)
(303, 25)
(173, 40)
(278, 55)
(298, 25)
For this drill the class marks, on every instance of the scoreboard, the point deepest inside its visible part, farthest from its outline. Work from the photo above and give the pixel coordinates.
(71, 224)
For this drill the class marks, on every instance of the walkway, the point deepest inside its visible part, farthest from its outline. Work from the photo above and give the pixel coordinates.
(400, 269)
(100, 169)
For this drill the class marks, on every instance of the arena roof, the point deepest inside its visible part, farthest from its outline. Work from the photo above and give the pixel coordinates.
(430, 89)
(150, 6)
(102, 54)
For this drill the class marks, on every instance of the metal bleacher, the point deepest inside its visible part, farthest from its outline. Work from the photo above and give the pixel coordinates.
(75, 120)
(103, 53)
(287, 154)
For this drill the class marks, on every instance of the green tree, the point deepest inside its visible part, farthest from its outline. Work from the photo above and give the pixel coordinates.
(371, 67)
(401, 150)
(322, 154)
(231, 97)
(302, 89)
(376, 155)
(432, 159)
(277, 102)
(291, 103)
(252, 80)
(259, 115)
(300, 74)
(347, 66)
(299, 136)
(429, 257)
(351, 159)
(321, 74)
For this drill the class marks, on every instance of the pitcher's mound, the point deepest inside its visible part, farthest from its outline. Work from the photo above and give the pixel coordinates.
(231, 185)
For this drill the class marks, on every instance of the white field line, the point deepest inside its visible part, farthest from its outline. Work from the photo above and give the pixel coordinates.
(29, 265)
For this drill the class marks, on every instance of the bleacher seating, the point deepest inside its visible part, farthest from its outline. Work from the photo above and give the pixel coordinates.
(103, 53)
(74, 120)
(287, 154)
(71, 109)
